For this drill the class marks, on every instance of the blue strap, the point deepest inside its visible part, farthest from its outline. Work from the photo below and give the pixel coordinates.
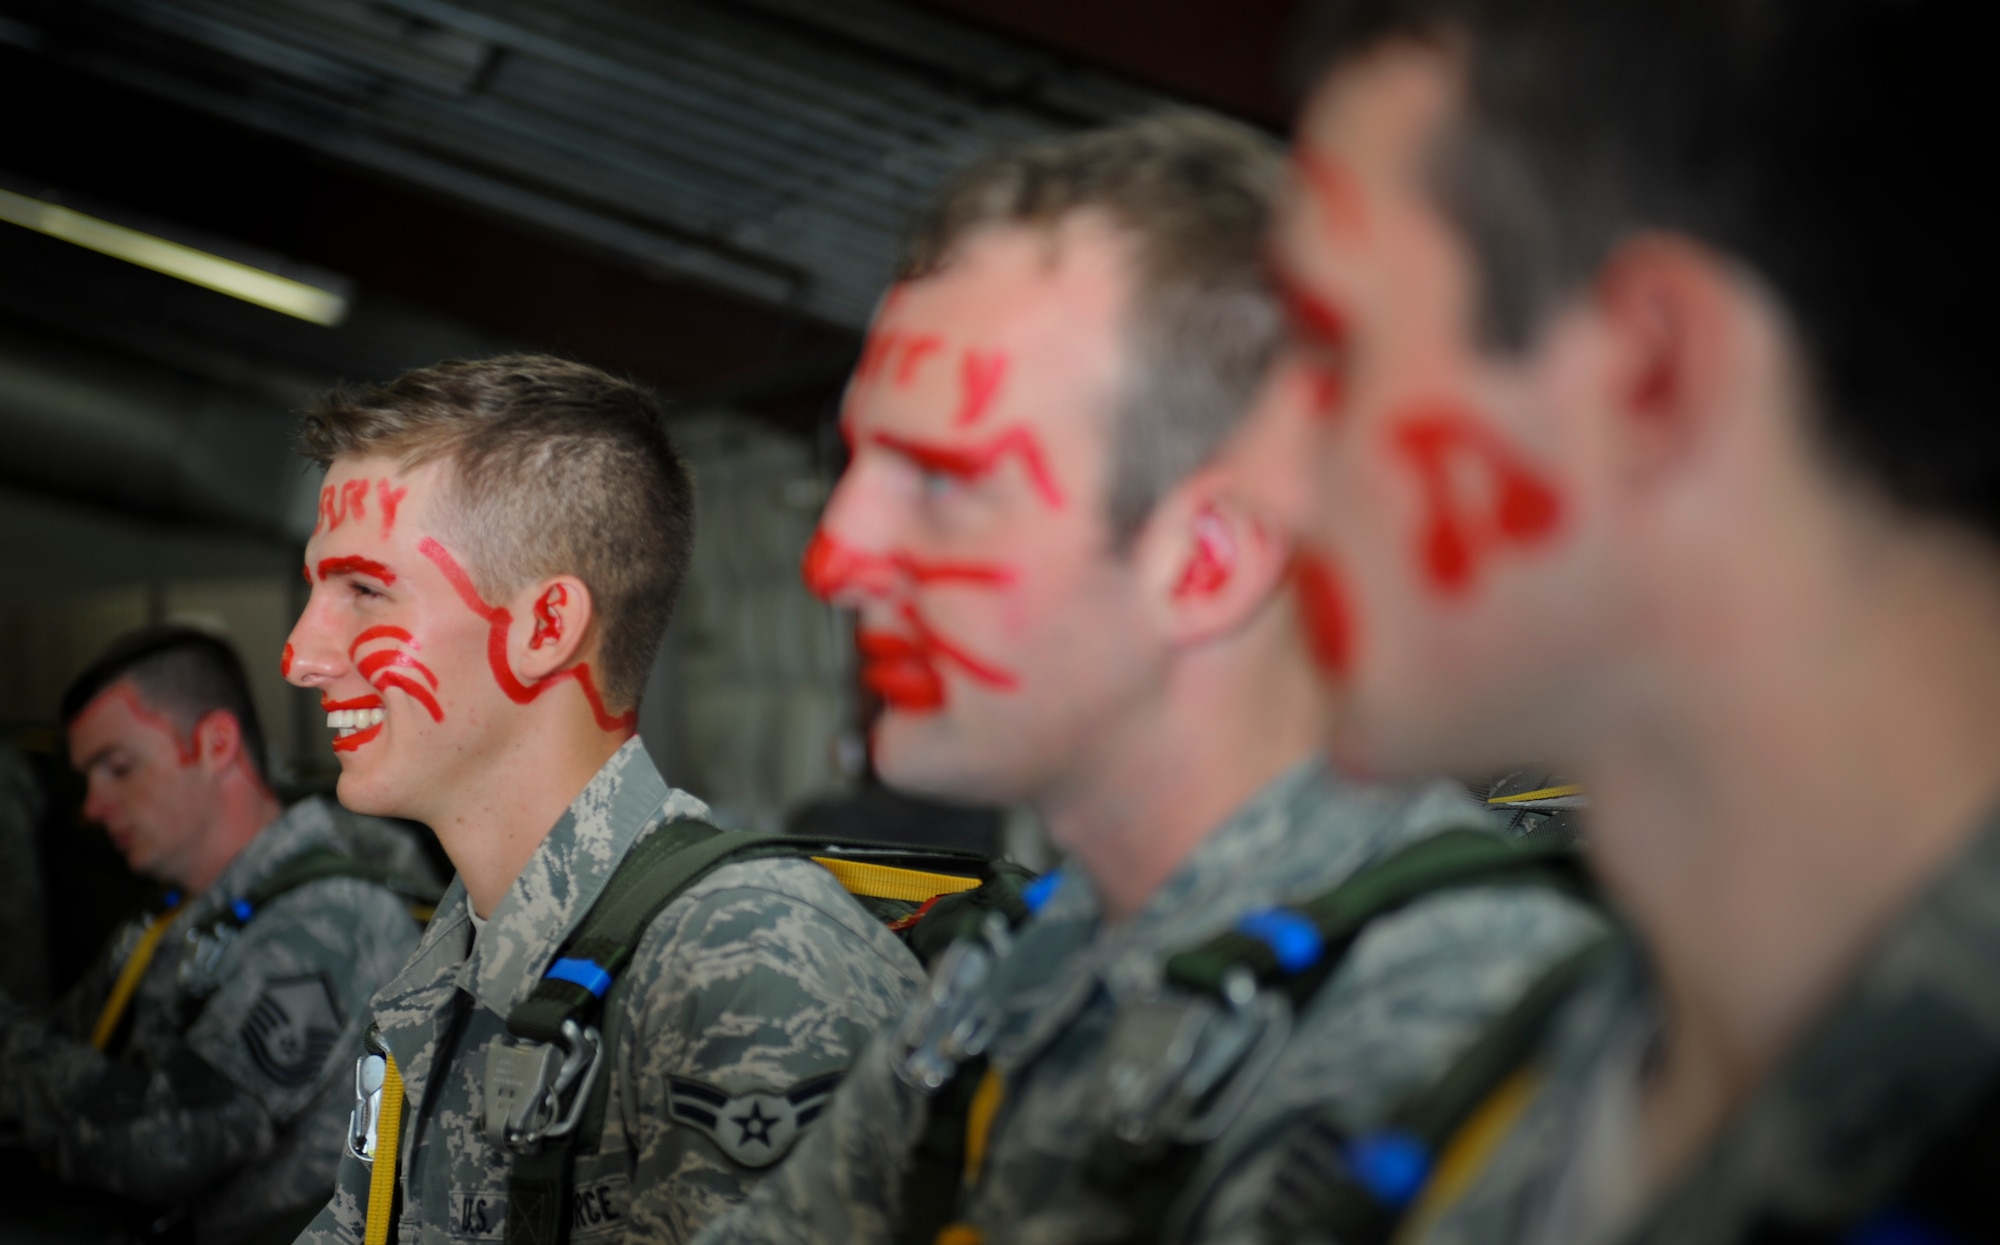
(1391, 1165)
(1037, 893)
(584, 973)
(1292, 936)
(242, 909)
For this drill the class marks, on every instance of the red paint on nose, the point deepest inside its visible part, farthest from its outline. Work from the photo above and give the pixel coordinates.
(825, 567)
(1324, 610)
(285, 661)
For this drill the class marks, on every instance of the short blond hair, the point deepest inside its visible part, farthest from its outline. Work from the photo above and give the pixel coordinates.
(555, 468)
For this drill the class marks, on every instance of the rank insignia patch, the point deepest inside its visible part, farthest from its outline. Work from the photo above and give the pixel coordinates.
(755, 1130)
(292, 1029)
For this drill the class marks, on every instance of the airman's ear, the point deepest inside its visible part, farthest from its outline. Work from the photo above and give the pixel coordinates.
(551, 624)
(218, 740)
(1212, 558)
(1670, 314)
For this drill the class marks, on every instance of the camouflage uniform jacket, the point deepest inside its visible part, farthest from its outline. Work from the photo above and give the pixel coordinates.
(1884, 1075)
(232, 1090)
(1411, 993)
(745, 1000)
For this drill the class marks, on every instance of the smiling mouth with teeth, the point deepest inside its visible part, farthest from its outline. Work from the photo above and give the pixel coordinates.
(354, 722)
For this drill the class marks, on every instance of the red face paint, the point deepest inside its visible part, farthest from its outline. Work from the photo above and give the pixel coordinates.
(933, 643)
(915, 347)
(384, 667)
(186, 751)
(975, 461)
(356, 566)
(348, 743)
(307, 572)
(1322, 329)
(1323, 610)
(981, 373)
(899, 671)
(829, 567)
(1342, 208)
(499, 619)
(390, 499)
(1213, 558)
(354, 499)
(548, 623)
(1450, 449)
(285, 661)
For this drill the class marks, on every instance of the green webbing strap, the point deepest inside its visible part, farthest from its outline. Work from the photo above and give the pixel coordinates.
(1451, 860)
(317, 865)
(656, 872)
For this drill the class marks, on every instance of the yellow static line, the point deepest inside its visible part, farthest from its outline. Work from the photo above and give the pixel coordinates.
(887, 882)
(128, 980)
(382, 1175)
(1546, 793)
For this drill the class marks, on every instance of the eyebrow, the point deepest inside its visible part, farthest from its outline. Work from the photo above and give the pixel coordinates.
(969, 462)
(1312, 315)
(330, 567)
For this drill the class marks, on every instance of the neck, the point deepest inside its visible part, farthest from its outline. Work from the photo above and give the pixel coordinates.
(244, 806)
(1802, 780)
(1227, 721)
(494, 819)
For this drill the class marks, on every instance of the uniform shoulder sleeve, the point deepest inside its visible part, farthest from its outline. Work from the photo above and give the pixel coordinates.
(750, 997)
(288, 1016)
(1415, 991)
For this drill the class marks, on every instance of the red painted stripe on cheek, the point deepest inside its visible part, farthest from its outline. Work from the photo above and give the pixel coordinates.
(498, 619)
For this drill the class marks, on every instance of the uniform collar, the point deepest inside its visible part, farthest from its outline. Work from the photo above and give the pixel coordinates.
(1300, 836)
(300, 828)
(626, 798)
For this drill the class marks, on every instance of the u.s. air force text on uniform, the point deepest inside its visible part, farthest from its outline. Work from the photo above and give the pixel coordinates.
(224, 1089)
(747, 998)
(1078, 1030)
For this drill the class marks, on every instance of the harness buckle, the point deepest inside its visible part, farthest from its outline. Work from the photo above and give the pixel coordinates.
(371, 1069)
(200, 971)
(953, 1020)
(1180, 1067)
(536, 1091)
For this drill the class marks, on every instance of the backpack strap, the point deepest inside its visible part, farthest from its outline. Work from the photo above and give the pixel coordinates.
(1224, 1019)
(319, 864)
(1358, 1189)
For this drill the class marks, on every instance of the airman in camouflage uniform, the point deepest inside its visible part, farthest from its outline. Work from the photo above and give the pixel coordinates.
(500, 712)
(1126, 662)
(749, 996)
(1417, 986)
(1877, 1090)
(231, 1092)
(223, 1093)
(1702, 421)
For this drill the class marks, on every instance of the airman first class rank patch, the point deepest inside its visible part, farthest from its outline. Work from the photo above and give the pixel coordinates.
(755, 1130)
(292, 1029)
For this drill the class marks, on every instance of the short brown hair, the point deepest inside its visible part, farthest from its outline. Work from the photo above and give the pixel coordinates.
(556, 468)
(1195, 194)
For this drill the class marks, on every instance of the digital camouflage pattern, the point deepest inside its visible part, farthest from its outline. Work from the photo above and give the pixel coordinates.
(747, 997)
(228, 1095)
(1417, 986)
(1876, 1087)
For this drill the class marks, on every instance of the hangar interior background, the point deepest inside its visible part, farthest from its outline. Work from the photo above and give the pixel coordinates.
(703, 194)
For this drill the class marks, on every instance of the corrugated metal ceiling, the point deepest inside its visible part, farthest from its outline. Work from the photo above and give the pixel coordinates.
(770, 147)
